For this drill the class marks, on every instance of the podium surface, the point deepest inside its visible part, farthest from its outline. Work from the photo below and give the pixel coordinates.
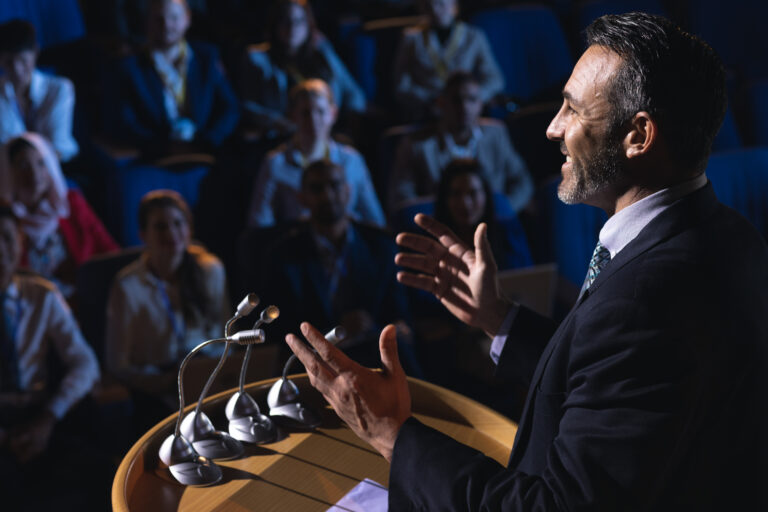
(308, 470)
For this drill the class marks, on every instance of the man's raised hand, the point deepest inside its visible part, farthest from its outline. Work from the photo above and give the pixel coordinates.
(374, 404)
(463, 279)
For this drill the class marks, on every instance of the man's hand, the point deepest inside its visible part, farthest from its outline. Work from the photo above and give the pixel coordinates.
(464, 280)
(28, 441)
(374, 404)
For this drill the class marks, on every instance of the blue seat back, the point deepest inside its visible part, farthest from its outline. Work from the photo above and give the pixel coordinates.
(530, 47)
(740, 180)
(590, 11)
(56, 21)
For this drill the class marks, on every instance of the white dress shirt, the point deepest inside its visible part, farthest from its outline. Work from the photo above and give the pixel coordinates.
(52, 102)
(40, 319)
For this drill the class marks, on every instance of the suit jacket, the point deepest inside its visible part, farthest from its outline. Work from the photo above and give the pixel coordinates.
(421, 158)
(211, 104)
(650, 395)
(296, 280)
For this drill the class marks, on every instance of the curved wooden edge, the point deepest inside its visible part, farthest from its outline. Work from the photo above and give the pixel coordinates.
(473, 414)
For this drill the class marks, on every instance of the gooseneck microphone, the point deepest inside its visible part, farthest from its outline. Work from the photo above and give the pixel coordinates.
(246, 422)
(197, 427)
(283, 396)
(186, 465)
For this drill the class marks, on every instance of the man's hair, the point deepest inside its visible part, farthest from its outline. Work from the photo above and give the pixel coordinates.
(458, 79)
(308, 89)
(674, 76)
(17, 36)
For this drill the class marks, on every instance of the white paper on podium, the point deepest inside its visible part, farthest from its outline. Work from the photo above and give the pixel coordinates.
(367, 496)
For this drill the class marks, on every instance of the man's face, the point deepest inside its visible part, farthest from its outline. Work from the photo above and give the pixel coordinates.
(462, 106)
(293, 29)
(441, 12)
(10, 250)
(314, 116)
(167, 24)
(593, 154)
(31, 179)
(18, 67)
(326, 194)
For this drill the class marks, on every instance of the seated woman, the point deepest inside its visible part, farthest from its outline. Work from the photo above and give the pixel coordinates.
(296, 51)
(464, 200)
(451, 353)
(162, 305)
(60, 229)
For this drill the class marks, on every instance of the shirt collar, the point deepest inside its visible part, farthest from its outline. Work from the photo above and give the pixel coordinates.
(626, 224)
(36, 87)
(294, 156)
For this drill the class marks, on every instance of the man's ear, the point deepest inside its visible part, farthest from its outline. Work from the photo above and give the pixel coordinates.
(642, 136)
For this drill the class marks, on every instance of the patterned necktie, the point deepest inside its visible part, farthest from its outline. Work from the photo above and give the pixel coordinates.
(600, 259)
(9, 364)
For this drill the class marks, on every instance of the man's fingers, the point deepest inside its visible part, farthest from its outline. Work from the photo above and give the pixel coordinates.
(483, 251)
(390, 361)
(420, 281)
(419, 243)
(418, 262)
(320, 374)
(332, 356)
(434, 227)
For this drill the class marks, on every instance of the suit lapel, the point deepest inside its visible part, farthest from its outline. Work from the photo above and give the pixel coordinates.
(192, 103)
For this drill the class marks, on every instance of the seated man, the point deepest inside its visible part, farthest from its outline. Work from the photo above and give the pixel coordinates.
(460, 132)
(173, 98)
(315, 271)
(428, 54)
(276, 188)
(30, 100)
(36, 329)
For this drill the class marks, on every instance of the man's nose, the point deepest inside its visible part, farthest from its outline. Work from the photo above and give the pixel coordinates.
(555, 130)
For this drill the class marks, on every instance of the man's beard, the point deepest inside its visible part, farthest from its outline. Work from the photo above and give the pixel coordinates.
(598, 173)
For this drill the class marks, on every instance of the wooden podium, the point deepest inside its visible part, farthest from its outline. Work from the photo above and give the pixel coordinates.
(306, 470)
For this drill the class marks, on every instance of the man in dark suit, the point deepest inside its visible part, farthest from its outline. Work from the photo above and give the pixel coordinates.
(332, 270)
(173, 97)
(651, 394)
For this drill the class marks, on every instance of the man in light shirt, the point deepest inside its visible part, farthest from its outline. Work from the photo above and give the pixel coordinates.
(651, 393)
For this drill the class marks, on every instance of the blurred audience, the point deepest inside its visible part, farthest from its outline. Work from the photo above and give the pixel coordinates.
(314, 273)
(429, 53)
(173, 97)
(459, 132)
(464, 200)
(162, 305)
(61, 230)
(30, 100)
(296, 51)
(46, 368)
(276, 189)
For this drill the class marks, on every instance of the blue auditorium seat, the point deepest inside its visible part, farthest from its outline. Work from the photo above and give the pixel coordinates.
(740, 180)
(728, 137)
(56, 21)
(530, 47)
(126, 184)
(754, 103)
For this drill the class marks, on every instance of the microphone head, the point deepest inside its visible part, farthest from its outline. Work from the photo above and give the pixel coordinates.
(270, 314)
(248, 337)
(247, 305)
(335, 335)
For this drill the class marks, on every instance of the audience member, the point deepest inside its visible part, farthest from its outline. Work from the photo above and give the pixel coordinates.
(39, 340)
(173, 97)
(276, 188)
(464, 200)
(428, 54)
(30, 100)
(61, 230)
(460, 132)
(316, 272)
(162, 305)
(296, 51)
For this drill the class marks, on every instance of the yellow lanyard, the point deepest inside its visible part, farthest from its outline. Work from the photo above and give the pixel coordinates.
(181, 64)
(441, 63)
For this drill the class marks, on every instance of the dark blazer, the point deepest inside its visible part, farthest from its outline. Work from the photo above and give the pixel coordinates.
(650, 395)
(211, 104)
